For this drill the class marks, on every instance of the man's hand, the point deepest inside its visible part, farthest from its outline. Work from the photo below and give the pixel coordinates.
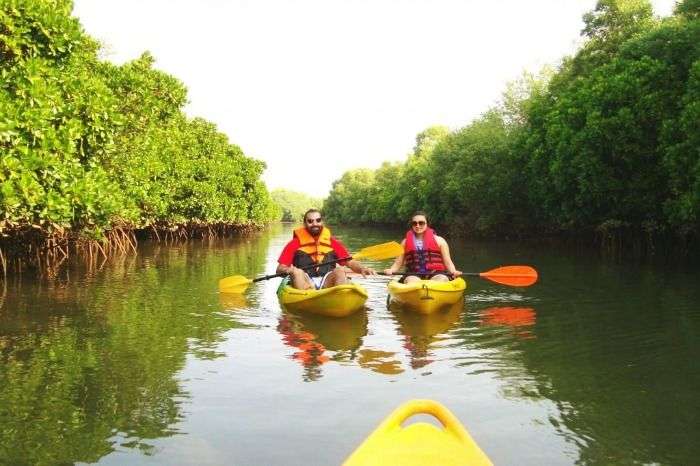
(286, 269)
(367, 271)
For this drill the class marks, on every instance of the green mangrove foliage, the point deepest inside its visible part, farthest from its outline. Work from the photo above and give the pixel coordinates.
(608, 143)
(56, 120)
(87, 145)
(293, 204)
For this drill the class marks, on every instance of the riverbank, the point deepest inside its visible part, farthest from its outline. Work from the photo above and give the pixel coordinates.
(29, 247)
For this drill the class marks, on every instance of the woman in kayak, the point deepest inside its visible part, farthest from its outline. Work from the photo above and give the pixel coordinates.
(312, 245)
(425, 253)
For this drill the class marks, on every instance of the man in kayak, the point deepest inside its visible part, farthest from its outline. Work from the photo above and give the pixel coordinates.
(313, 244)
(425, 253)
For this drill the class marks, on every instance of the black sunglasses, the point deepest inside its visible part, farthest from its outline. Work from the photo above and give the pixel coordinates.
(311, 221)
(419, 222)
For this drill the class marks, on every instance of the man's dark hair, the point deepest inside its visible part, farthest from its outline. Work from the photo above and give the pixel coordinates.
(310, 211)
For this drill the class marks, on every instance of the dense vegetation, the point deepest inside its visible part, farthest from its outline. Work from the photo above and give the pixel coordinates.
(89, 148)
(606, 146)
(293, 204)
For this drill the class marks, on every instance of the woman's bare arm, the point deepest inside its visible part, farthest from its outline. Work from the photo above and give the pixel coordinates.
(398, 263)
(446, 258)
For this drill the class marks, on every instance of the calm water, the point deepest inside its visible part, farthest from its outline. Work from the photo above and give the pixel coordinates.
(141, 361)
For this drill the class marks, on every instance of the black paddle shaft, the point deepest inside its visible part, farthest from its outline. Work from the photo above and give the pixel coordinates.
(418, 274)
(307, 267)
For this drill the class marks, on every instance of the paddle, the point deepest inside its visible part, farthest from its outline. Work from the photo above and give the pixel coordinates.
(511, 275)
(239, 283)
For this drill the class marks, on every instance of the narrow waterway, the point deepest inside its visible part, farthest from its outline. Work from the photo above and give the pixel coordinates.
(140, 361)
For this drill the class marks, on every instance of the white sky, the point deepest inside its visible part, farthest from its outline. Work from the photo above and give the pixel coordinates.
(317, 87)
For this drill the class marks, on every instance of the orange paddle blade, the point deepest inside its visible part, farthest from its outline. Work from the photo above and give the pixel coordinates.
(235, 284)
(513, 275)
(380, 251)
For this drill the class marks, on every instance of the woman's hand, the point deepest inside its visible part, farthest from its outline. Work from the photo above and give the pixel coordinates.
(457, 273)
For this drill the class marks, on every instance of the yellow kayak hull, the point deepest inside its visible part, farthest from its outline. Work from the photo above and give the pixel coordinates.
(337, 301)
(419, 443)
(427, 296)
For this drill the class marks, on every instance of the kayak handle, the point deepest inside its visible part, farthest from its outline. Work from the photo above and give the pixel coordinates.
(437, 410)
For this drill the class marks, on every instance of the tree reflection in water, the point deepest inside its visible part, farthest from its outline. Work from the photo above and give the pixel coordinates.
(90, 357)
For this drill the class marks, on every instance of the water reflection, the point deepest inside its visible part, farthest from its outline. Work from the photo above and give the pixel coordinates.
(233, 301)
(80, 384)
(89, 357)
(319, 339)
(518, 318)
(421, 332)
(310, 353)
(383, 362)
(124, 355)
(3, 292)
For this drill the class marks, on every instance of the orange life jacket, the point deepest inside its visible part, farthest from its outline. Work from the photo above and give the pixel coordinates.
(314, 251)
(428, 259)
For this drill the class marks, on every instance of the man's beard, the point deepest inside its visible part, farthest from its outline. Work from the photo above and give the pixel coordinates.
(315, 230)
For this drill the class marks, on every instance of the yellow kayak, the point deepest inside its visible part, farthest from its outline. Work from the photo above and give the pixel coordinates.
(427, 296)
(419, 443)
(337, 301)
